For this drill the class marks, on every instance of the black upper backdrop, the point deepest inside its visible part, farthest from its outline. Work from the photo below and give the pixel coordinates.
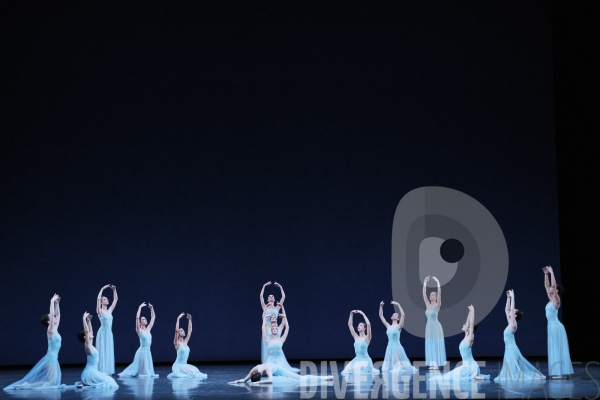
(190, 154)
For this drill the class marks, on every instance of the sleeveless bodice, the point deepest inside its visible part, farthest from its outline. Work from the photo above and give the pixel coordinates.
(145, 339)
(551, 312)
(275, 348)
(465, 351)
(92, 359)
(509, 338)
(106, 320)
(360, 347)
(183, 353)
(393, 334)
(432, 315)
(54, 345)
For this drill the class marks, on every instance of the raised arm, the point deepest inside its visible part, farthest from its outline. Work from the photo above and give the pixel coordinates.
(368, 326)
(137, 318)
(51, 314)
(287, 330)
(425, 291)
(282, 293)
(512, 321)
(401, 321)
(99, 301)
(351, 324)
(439, 293)
(87, 328)
(175, 342)
(189, 332)
(264, 328)
(115, 298)
(471, 323)
(387, 325)
(262, 293)
(152, 315)
(556, 299)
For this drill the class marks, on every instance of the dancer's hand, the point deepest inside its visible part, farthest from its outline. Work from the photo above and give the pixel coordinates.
(281, 315)
(57, 299)
(470, 307)
(89, 316)
(113, 287)
(142, 305)
(426, 279)
(86, 314)
(381, 304)
(549, 268)
(150, 306)
(545, 269)
(395, 303)
(267, 284)
(181, 315)
(189, 317)
(277, 284)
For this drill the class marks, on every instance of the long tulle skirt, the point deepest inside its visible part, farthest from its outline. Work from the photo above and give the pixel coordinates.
(359, 365)
(435, 348)
(282, 362)
(396, 359)
(466, 371)
(181, 370)
(92, 377)
(106, 350)
(45, 374)
(142, 365)
(559, 359)
(516, 368)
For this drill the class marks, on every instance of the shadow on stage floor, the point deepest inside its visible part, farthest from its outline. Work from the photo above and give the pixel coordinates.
(584, 383)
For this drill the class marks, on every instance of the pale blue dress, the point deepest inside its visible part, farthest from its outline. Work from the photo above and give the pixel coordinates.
(277, 357)
(435, 348)
(559, 359)
(264, 349)
(284, 374)
(465, 372)
(94, 378)
(362, 363)
(105, 344)
(181, 369)
(514, 366)
(46, 373)
(142, 365)
(396, 359)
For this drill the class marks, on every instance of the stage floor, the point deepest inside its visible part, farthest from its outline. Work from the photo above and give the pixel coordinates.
(584, 383)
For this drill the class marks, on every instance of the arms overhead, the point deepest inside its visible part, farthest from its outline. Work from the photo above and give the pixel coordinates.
(152, 315)
(115, 298)
(387, 325)
(284, 336)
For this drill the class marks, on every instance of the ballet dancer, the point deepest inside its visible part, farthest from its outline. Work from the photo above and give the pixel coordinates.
(435, 348)
(362, 363)
(104, 340)
(91, 376)
(469, 369)
(275, 373)
(142, 365)
(270, 310)
(514, 366)
(559, 359)
(46, 373)
(275, 342)
(181, 369)
(395, 357)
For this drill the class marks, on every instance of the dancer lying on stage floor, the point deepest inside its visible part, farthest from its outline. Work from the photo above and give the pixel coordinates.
(181, 369)
(91, 376)
(46, 373)
(275, 373)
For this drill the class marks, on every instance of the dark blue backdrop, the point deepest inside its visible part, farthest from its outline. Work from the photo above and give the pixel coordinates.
(190, 154)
